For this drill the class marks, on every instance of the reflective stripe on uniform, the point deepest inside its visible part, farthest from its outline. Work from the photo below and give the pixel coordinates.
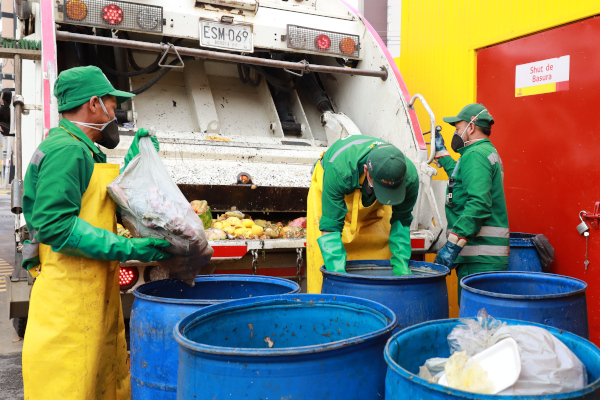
(31, 250)
(356, 142)
(492, 231)
(485, 250)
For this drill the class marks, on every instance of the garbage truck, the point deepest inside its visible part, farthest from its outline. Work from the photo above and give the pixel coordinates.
(244, 96)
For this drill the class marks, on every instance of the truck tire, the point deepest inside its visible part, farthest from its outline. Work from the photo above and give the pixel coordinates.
(20, 324)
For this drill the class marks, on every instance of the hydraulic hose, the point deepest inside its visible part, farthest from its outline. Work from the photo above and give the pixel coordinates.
(159, 76)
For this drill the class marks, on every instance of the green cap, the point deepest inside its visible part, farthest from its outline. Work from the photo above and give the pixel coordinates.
(475, 113)
(75, 86)
(387, 166)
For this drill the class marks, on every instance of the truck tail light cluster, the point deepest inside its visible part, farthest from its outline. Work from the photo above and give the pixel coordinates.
(319, 41)
(128, 277)
(113, 14)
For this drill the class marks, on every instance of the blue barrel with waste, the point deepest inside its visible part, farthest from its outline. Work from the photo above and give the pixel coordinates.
(523, 255)
(308, 346)
(548, 299)
(159, 305)
(419, 297)
(408, 349)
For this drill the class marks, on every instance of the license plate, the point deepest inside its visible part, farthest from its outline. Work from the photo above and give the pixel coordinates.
(226, 36)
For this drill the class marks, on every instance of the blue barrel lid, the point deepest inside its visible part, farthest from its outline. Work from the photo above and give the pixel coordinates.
(142, 291)
(460, 394)
(578, 286)
(293, 299)
(353, 269)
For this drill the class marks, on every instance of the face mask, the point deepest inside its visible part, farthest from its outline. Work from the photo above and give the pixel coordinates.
(110, 130)
(457, 140)
(368, 194)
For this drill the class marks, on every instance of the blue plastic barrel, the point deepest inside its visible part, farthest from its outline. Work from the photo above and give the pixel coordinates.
(309, 346)
(159, 305)
(407, 350)
(416, 298)
(523, 255)
(548, 299)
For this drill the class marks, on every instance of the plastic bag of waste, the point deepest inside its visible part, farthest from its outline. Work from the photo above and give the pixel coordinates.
(545, 251)
(153, 206)
(548, 366)
(475, 335)
(464, 373)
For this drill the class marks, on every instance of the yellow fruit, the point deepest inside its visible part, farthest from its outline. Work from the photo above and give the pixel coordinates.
(257, 230)
(247, 223)
(239, 232)
(229, 229)
(234, 221)
(218, 225)
(248, 233)
(119, 226)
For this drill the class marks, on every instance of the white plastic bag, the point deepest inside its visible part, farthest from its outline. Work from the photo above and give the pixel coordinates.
(153, 206)
(475, 335)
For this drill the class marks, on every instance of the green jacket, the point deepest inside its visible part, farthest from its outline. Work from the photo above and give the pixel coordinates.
(58, 174)
(343, 166)
(478, 208)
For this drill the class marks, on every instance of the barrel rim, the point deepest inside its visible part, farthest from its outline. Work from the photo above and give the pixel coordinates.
(209, 312)
(210, 278)
(465, 280)
(387, 279)
(392, 364)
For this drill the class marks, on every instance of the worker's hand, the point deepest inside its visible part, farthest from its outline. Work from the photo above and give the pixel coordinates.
(440, 146)
(148, 249)
(448, 254)
(134, 149)
(400, 248)
(333, 252)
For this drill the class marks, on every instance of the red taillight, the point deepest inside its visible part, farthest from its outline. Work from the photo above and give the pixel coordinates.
(323, 42)
(127, 277)
(112, 14)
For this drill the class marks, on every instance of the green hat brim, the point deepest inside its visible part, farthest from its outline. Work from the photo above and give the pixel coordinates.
(452, 120)
(119, 94)
(390, 196)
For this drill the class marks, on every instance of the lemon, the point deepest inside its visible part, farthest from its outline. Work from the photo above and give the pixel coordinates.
(257, 230)
(247, 223)
(239, 232)
(218, 225)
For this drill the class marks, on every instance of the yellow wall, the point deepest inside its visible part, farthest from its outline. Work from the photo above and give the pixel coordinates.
(438, 51)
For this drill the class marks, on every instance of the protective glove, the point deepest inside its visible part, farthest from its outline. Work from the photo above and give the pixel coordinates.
(88, 241)
(333, 252)
(134, 149)
(400, 248)
(440, 146)
(447, 255)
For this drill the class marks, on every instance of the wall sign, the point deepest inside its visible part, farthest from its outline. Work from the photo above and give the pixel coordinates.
(544, 76)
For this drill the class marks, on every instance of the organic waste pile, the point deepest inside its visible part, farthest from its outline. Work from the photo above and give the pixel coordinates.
(235, 225)
(152, 206)
(547, 365)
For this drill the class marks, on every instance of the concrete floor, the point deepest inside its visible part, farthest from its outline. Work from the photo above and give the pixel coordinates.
(11, 381)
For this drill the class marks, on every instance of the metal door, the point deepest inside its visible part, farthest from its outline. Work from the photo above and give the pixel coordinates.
(548, 136)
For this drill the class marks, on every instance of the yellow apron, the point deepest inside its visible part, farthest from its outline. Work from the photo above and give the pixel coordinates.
(74, 346)
(365, 236)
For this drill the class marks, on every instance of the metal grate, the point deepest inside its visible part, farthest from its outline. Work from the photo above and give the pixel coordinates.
(321, 41)
(114, 14)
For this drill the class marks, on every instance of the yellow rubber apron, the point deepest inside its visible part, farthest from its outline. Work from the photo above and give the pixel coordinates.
(365, 236)
(74, 346)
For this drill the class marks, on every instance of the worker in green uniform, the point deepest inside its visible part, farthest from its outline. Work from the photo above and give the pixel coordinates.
(478, 238)
(360, 207)
(74, 346)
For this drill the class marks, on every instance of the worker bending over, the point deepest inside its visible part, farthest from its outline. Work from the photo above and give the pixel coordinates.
(74, 346)
(478, 238)
(360, 206)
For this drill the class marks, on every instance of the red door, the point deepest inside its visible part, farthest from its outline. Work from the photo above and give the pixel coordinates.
(550, 142)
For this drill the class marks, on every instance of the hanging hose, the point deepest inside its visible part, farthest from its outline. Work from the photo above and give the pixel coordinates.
(281, 84)
(159, 76)
(135, 65)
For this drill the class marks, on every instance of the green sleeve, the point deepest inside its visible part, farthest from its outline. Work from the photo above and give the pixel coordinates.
(62, 177)
(448, 163)
(334, 209)
(476, 173)
(403, 211)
